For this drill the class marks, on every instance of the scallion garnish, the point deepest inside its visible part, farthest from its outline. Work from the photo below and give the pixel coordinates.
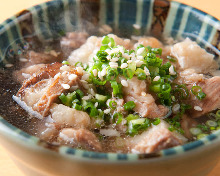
(217, 114)
(211, 123)
(197, 91)
(112, 104)
(171, 59)
(129, 105)
(195, 131)
(65, 63)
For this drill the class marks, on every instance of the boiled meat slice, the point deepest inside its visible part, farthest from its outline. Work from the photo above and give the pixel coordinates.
(190, 55)
(211, 87)
(155, 139)
(79, 138)
(145, 103)
(69, 117)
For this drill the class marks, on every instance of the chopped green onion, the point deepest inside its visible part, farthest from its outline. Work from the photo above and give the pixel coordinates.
(65, 63)
(116, 87)
(201, 95)
(218, 128)
(101, 98)
(132, 117)
(78, 63)
(112, 73)
(157, 51)
(102, 56)
(200, 136)
(129, 105)
(106, 40)
(140, 46)
(98, 82)
(128, 73)
(217, 114)
(112, 104)
(171, 128)
(181, 91)
(79, 93)
(138, 125)
(197, 91)
(211, 123)
(203, 127)
(91, 109)
(77, 107)
(212, 128)
(156, 121)
(155, 88)
(171, 59)
(67, 99)
(142, 76)
(119, 118)
(195, 131)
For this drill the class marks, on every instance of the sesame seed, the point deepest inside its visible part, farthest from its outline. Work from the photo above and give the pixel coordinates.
(124, 65)
(147, 72)
(176, 108)
(108, 57)
(9, 65)
(197, 108)
(121, 49)
(87, 97)
(92, 91)
(95, 57)
(107, 111)
(25, 75)
(114, 50)
(85, 66)
(108, 51)
(85, 76)
(73, 88)
(156, 78)
(23, 60)
(124, 83)
(53, 53)
(103, 72)
(171, 70)
(85, 84)
(126, 56)
(139, 63)
(65, 86)
(79, 70)
(64, 73)
(132, 55)
(136, 26)
(100, 76)
(140, 57)
(57, 75)
(114, 59)
(113, 64)
(95, 72)
(65, 68)
(72, 77)
(140, 51)
(95, 51)
(143, 94)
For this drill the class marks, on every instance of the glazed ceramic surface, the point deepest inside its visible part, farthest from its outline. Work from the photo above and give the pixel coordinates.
(50, 21)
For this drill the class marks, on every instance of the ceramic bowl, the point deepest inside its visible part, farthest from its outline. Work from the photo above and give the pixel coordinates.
(49, 21)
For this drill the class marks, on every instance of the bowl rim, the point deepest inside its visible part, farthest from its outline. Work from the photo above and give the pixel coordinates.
(22, 137)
